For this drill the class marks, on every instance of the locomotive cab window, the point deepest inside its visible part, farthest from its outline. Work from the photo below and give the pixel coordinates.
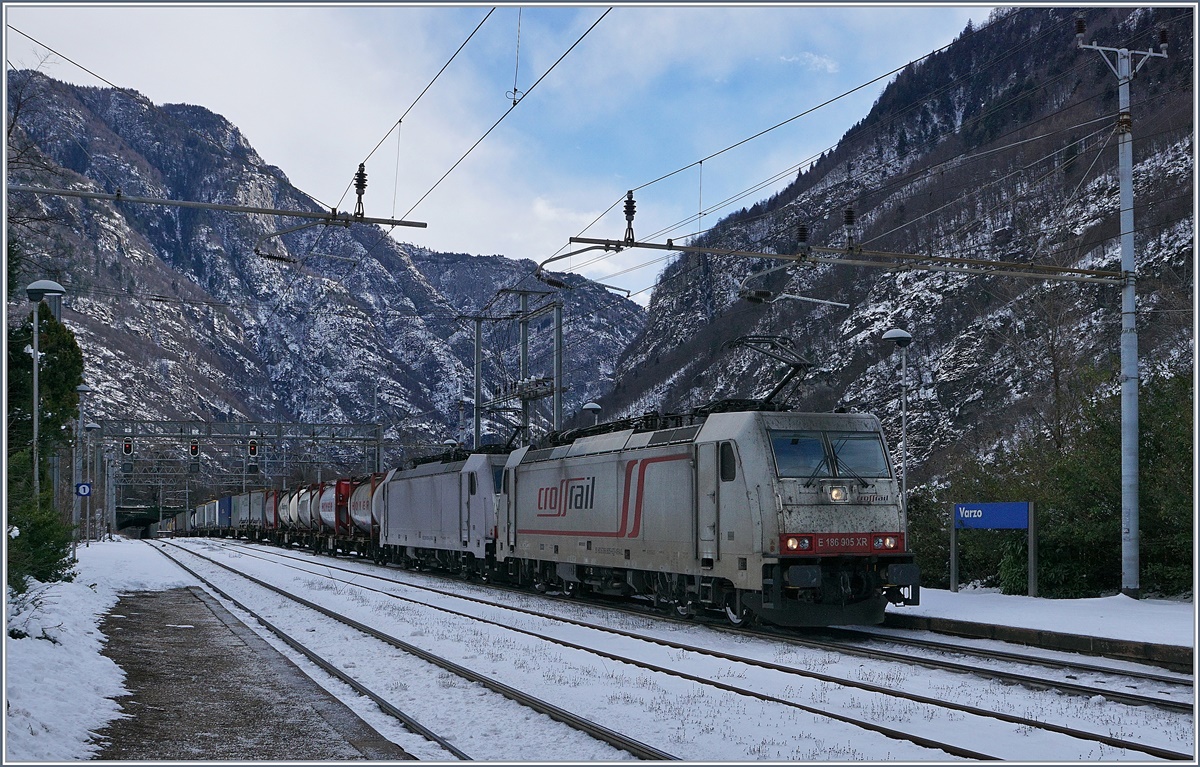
(498, 478)
(472, 484)
(813, 455)
(859, 454)
(800, 454)
(728, 462)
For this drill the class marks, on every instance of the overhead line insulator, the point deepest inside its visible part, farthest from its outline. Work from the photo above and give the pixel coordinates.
(630, 209)
(360, 186)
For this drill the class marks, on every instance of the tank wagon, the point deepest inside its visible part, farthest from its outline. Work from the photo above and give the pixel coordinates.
(795, 518)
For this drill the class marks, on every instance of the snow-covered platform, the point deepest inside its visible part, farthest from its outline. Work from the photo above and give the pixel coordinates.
(1156, 631)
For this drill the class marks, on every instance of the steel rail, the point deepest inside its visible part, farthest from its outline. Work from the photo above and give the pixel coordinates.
(1034, 660)
(1132, 699)
(1116, 695)
(611, 737)
(412, 724)
(889, 732)
(1115, 742)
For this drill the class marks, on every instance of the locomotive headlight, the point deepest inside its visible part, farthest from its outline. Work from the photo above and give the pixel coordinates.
(798, 543)
(885, 542)
(839, 493)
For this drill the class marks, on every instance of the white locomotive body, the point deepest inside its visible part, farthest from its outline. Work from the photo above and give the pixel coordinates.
(442, 513)
(794, 517)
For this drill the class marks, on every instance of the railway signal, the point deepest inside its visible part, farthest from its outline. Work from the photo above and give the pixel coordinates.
(127, 446)
(194, 449)
(252, 448)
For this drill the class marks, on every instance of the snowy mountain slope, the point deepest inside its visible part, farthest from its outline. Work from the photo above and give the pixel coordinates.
(180, 318)
(998, 148)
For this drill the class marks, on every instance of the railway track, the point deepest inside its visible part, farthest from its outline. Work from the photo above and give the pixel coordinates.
(614, 739)
(1177, 693)
(884, 691)
(1072, 667)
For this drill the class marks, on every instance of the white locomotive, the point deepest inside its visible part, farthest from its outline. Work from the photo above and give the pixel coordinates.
(794, 518)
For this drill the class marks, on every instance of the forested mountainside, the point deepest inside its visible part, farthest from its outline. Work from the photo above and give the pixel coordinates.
(184, 313)
(1002, 146)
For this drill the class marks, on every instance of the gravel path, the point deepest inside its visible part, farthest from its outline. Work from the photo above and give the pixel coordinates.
(203, 686)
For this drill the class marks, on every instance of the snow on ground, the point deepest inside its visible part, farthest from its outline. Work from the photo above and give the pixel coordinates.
(1159, 621)
(60, 689)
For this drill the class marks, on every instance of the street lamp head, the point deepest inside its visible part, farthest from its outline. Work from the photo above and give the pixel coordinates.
(91, 426)
(84, 389)
(901, 337)
(594, 409)
(43, 288)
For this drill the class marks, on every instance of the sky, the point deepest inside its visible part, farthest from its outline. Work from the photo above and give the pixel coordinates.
(649, 92)
(58, 692)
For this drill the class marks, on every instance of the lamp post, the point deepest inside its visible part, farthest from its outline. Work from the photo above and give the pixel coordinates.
(90, 463)
(76, 470)
(36, 292)
(902, 339)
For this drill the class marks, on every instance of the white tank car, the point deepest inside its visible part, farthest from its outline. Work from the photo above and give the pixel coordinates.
(362, 501)
(379, 503)
(285, 509)
(326, 502)
(304, 504)
(793, 517)
(442, 513)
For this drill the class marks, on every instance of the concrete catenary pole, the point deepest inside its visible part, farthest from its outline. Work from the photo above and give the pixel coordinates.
(1122, 65)
(478, 417)
(558, 364)
(523, 325)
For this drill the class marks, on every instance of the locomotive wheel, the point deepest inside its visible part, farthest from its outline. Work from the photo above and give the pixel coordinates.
(685, 610)
(736, 616)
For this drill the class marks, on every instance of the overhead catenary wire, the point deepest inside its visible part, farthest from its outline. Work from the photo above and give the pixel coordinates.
(507, 112)
(385, 235)
(396, 127)
(1045, 33)
(515, 93)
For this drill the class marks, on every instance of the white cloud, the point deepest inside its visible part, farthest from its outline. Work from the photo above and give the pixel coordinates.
(813, 62)
(649, 91)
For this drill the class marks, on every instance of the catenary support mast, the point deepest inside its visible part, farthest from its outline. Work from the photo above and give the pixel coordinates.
(1121, 62)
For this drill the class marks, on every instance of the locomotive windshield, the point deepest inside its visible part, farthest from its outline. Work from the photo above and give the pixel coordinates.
(814, 454)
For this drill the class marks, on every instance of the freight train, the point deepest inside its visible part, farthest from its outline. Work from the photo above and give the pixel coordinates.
(787, 517)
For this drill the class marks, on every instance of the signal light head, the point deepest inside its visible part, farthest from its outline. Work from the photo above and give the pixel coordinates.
(127, 446)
